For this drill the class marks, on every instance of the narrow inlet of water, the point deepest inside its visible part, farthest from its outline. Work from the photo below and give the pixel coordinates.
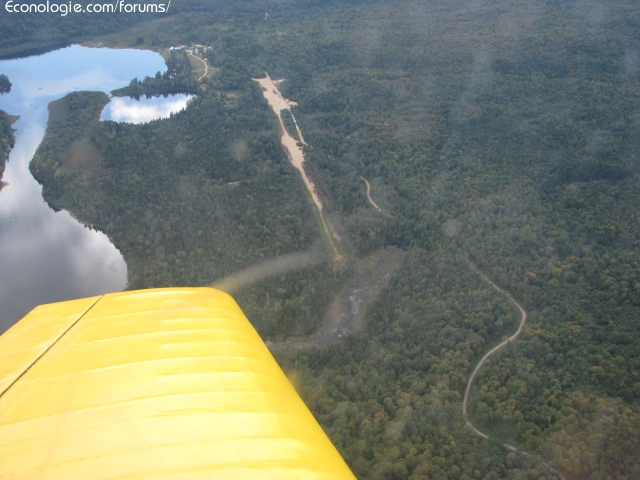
(48, 256)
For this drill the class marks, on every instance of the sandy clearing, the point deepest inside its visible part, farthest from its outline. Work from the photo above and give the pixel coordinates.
(278, 103)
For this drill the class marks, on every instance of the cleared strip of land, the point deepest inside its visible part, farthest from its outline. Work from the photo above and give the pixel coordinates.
(206, 66)
(278, 103)
(347, 312)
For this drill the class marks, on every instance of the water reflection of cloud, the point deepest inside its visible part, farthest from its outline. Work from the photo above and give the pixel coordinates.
(46, 256)
(66, 261)
(144, 110)
(79, 68)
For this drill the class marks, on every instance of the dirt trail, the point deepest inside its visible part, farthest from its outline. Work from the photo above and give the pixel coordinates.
(369, 194)
(206, 66)
(483, 360)
(298, 128)
(345, 314)
(278, 103)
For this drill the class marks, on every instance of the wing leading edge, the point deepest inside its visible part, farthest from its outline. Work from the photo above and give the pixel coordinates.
(166, 383)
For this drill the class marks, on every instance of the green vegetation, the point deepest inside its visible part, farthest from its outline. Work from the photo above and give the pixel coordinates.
(5, 84)
(177, 79)
(7, 140)
(192, 199)
(505, 133)
(66, 152)
(37, 33)
(289, 124)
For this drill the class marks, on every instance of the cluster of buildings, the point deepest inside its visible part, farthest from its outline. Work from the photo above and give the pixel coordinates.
(183, 47)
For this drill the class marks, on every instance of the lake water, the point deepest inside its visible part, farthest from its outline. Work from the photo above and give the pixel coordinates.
(47, 256)
(130, 110)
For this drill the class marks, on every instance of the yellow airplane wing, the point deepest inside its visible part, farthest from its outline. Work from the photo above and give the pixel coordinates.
(166, 383)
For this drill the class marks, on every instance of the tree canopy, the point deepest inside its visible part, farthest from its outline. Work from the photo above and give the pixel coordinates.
(503, 134)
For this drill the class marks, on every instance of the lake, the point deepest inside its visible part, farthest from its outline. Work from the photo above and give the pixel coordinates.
(48, 256)
(130, 110)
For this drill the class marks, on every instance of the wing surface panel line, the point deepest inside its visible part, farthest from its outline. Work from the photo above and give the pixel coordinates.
(49, 348)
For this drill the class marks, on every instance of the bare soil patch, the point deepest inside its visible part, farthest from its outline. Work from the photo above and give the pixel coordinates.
(296, 154)
(346, 314)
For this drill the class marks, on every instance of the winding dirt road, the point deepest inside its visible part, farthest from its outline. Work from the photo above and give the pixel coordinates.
(467, 392)
(206, 67)
(278, 103)
(483, 360)
(369, 194)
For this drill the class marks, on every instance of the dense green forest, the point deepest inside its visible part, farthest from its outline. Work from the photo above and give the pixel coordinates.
(70, 121)
(176, 79)
(35, 33)
(6, 140)
(504, 134)
(191, 199)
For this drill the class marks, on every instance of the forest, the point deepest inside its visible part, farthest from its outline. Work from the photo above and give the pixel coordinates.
(36, 33)
(503, 135)
(176, 79)
(192, 199)
(7, 141)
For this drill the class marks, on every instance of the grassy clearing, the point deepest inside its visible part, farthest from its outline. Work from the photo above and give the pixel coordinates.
(82, 157)
(370, 274)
